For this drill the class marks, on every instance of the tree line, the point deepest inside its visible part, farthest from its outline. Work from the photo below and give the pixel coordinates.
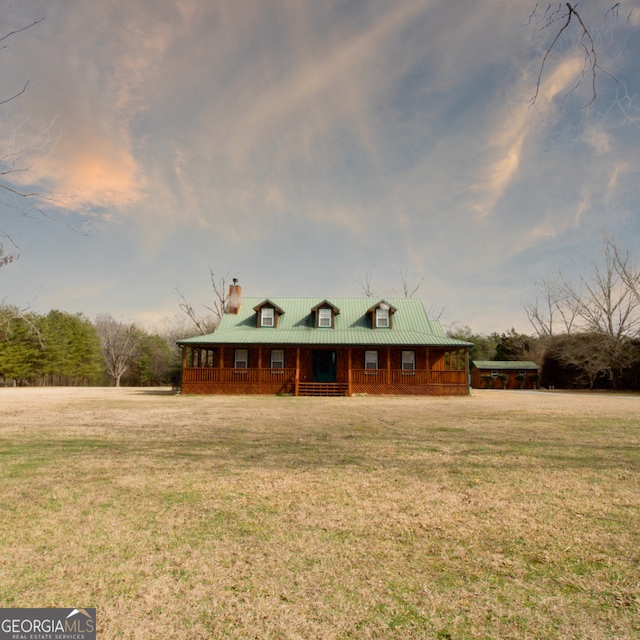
(586, 330)
(586, 334)
(568, 361)
(66, 349)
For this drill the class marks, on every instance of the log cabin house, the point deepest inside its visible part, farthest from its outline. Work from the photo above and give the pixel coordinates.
(336, 346)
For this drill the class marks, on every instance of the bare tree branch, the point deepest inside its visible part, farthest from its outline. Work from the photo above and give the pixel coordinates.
(15, 95)
(549, 305)
(220, 287)
(409, 290)
(591, 66)
(365, 281)
(4, 46)
(12, 33)
(203, 325)
(17, 160)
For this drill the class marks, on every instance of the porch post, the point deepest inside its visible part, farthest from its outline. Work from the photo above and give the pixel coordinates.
(388, 365)
(349, 373)
(428, 367)
(297, 369)
(221, 357)
(467, 372)
(184, 365)
(259, 367)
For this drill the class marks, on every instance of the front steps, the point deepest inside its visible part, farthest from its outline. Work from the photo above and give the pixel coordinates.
(323, 389)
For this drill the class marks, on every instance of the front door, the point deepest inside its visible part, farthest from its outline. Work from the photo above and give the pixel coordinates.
(324, 366)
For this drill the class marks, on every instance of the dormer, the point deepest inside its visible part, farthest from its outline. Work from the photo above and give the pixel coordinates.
(381, 315)
(267, 315)
(324, 315)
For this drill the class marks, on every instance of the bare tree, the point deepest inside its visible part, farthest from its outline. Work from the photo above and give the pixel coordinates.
(409, 290)
(119, 343)
(582, 355)
(207, 323)
(628, 271)
(550, 308)
(367, 285)
(365, 280)
(603, 304)
(17, 158)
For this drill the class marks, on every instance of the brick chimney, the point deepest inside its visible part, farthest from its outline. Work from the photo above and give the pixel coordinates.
(234, 301)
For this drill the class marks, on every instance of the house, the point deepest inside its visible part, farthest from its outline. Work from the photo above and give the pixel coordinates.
(504, 374)
(334, 346)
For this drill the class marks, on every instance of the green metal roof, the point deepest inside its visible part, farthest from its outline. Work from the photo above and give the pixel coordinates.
(411, 326)
(501, 365)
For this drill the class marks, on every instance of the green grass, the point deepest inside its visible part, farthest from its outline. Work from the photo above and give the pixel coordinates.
(503, 515)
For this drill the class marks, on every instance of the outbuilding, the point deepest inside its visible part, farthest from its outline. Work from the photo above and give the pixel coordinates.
(504, 374)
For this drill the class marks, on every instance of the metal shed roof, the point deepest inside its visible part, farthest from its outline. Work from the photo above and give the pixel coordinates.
(502, 365)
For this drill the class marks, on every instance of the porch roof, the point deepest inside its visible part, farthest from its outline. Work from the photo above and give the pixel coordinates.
(411, 325)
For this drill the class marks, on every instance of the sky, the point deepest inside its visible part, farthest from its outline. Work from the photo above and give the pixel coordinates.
(305, 147)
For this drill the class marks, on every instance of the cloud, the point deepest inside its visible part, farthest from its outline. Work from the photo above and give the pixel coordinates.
(332, 86)
(515, 123)
(331, 133)
(596, 136)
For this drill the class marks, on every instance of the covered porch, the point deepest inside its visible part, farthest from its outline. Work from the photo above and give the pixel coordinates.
(323, 370)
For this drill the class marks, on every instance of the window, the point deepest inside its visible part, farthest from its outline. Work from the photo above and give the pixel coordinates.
(494, 374)
(408, 360)
(325, 318)
(241, 359)
(382, 317)
(267, 317)
(370, 359)
(277, 358)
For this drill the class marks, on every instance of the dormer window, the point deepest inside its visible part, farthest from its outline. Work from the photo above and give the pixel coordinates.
(267, 317)
(382, 317)
(325, 317)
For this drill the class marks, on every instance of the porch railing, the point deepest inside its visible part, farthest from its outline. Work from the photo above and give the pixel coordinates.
(401, 376)
(358, 376)
(253, 376)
